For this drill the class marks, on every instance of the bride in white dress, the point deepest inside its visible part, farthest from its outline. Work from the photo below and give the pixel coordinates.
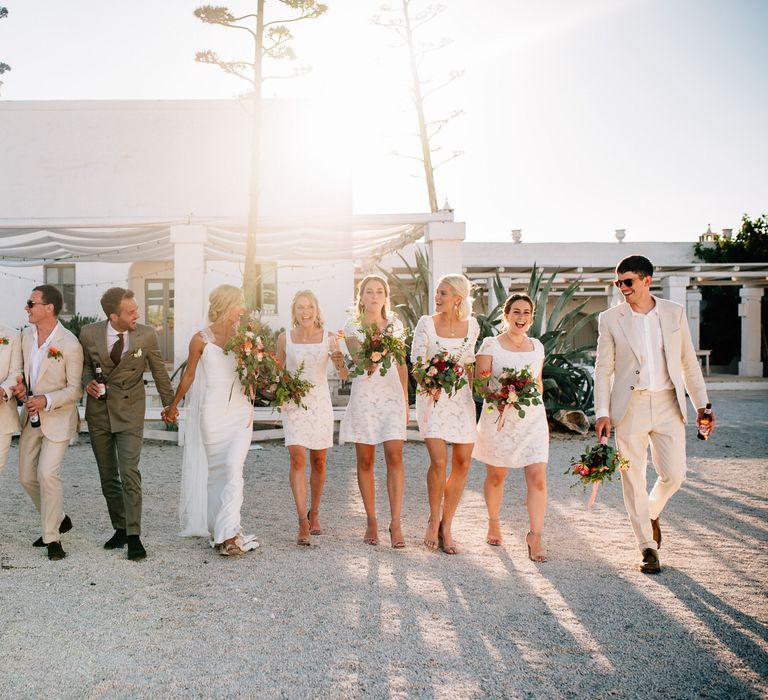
(310, 428)
(218, 431)
(377, 412)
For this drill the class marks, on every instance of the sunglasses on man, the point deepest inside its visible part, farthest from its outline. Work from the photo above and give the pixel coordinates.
(626, 283)
(31, 303)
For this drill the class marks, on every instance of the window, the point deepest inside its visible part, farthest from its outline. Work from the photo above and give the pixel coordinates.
(63, 278)
(266, 287)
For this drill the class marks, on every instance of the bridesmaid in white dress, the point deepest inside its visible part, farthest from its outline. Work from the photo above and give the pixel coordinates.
(377, 413)
(311, 428)
(452, 419)
(218, 431)
(522, 442)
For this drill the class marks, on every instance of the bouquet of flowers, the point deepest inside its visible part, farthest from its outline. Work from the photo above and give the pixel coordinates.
(597, 464)
(264, 380)
(378, 347)
(514, 388)
(440, 373)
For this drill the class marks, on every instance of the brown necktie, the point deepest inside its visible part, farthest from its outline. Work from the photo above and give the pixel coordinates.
(117, 350)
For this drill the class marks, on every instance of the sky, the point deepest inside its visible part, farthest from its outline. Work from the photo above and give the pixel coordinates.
(579, 117)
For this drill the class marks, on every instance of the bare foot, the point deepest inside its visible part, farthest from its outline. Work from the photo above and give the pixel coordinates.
(493, 537)
(314, 523)
(371, 533)
(448, 546)
(303, 537)
(430, 535)
(396, 535)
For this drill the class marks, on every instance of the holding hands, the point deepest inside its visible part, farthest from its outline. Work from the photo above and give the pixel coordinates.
(170, 414)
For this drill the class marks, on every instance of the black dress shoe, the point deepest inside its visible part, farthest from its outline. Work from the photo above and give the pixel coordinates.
(56, 551)
(651, 564)
(656, 532)
(66, 526)
(117, 541)
(136, 550)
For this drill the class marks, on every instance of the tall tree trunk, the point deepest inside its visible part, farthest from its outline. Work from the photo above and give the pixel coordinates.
(426, 154)
(250, 277)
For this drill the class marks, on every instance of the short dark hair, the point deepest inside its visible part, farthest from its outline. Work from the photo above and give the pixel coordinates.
(112, 298)
(518, 296)
(638, 264)
(51, 295)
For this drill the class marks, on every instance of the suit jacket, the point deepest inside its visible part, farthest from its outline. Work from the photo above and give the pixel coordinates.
(60, 379)
(618, 358)
(10, 369)
(125, 406)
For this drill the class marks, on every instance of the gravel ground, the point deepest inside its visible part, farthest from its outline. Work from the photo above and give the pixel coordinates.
(342, 619)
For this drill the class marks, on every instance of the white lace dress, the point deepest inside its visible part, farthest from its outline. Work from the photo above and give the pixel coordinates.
(522, 441)
(452, 418)
(376, 409)
(311, 428)
(218, 429)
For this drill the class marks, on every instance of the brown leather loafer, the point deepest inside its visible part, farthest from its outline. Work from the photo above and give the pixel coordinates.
(651, 564)
(656, 532)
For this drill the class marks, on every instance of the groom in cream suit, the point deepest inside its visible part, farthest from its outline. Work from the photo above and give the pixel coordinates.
(645, 364)
(10, 371)
(53, 365)
(123, 349)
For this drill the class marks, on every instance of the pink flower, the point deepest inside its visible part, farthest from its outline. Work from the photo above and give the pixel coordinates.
(376, 356)
(432, 371)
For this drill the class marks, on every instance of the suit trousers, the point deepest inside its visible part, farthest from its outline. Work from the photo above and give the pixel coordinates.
(40, 474)
(118, 455)
(651, 417)
(5, 449)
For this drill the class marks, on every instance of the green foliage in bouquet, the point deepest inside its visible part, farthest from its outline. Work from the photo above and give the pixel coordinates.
(597, 464)
(378, 348)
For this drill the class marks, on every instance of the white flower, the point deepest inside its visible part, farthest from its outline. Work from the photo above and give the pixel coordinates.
(136, 353)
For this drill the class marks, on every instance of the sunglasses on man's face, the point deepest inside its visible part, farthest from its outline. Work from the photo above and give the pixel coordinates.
(31, 303)
(627, 283)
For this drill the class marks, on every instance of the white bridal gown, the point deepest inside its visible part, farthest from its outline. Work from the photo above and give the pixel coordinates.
(217, 437)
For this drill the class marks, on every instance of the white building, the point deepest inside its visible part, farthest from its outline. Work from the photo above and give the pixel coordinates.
(154, 196)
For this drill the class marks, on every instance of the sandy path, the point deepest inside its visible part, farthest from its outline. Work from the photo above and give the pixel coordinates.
(345, 620)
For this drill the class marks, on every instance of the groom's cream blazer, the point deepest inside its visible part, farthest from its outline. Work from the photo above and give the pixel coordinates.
(617, 366)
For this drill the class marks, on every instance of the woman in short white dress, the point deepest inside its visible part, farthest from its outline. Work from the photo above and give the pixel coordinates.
(451, 419)
(309, 428)
(522, 442)
(377, 412)
(218, 434)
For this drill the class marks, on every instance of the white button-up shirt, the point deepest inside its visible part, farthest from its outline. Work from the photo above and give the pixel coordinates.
(37, 357)
(653, 361)
(112, 339)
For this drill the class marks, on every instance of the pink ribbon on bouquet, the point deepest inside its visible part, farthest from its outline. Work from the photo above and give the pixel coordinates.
(502, 418)
(596, 485)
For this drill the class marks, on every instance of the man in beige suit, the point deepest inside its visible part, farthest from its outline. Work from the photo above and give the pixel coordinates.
(10, 371)
(53, 366)
(123, 349)
(645, 363)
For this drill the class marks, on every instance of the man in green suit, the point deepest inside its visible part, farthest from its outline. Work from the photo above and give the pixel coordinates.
(123, 349)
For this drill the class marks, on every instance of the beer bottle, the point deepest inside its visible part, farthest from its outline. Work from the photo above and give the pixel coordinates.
(99, 377)
(705, 425)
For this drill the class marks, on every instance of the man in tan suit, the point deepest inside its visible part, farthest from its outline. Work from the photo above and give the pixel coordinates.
(123, 349)
(10, 371)
(645, 363)
(53, 366)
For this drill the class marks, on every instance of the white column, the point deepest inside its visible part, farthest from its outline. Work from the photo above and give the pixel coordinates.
(750, 364)
(443, 239)
(693, 311)
(674, 288)
(614, 295)
(189, 285)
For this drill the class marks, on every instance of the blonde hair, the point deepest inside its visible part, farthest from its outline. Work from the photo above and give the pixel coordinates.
(307, 294)
(461, 287)
(385, 310)
(222, 299)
